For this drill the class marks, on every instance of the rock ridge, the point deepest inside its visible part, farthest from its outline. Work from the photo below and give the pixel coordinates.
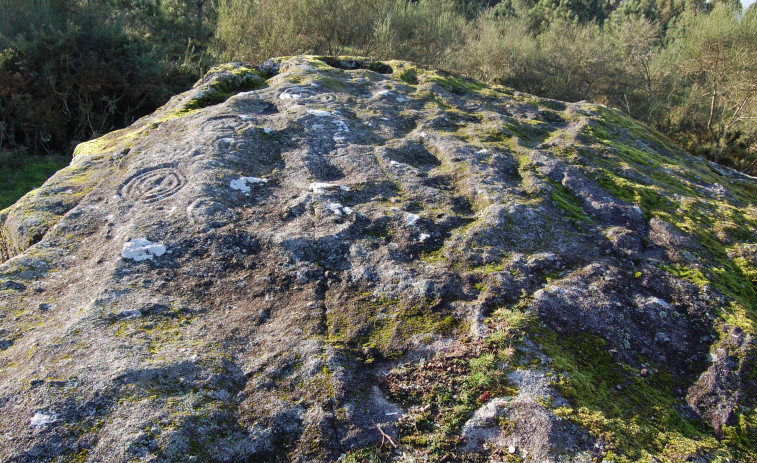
(322, 259)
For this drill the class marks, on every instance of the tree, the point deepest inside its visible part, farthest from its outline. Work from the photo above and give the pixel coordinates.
(717, 54)
(637, 39)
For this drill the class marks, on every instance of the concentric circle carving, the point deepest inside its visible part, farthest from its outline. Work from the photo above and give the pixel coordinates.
(153, 185)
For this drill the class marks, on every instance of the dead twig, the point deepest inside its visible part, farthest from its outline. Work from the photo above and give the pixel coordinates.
(385, 437)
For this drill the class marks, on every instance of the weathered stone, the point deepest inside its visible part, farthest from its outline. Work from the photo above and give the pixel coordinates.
(305, 259)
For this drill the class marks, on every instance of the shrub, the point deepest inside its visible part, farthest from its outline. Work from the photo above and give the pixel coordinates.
(260, 29)
(68, 73)
(501, 49)
(427, 31)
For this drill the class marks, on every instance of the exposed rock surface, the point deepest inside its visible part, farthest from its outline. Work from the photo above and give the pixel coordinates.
(315, 260)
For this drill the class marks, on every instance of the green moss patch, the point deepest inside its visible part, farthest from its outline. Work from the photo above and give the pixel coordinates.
(455, 84)
(568, 203)
(635, 416)
(241, 80)
(350, 64)
(384, 326)
(408, 75)
(529, 132)
(648, 197)
(742, 436)
(689, 274)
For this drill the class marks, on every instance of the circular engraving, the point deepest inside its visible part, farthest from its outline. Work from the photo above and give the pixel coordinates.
(153, 185)
(327, 98)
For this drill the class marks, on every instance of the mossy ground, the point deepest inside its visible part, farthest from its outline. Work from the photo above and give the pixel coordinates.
(384, 326)
(442, 392)
(634, 416)
(568, 203)
(680, 197)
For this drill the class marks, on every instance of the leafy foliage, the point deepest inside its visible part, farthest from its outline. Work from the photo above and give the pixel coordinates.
(72, 70)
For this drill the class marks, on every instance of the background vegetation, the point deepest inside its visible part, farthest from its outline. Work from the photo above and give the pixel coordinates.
(73, 69)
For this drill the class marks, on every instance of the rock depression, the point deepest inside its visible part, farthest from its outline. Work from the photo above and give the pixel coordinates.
(339, 259)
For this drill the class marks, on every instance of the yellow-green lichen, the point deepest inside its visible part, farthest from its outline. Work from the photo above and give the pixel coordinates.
(102, 144)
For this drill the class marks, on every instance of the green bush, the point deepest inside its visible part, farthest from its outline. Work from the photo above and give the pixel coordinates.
(426, 32)
(69, 72)
(694, 81)
(260, 29)
(502, 50)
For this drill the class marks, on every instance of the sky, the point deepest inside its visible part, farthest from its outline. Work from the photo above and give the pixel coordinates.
(746, 3)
